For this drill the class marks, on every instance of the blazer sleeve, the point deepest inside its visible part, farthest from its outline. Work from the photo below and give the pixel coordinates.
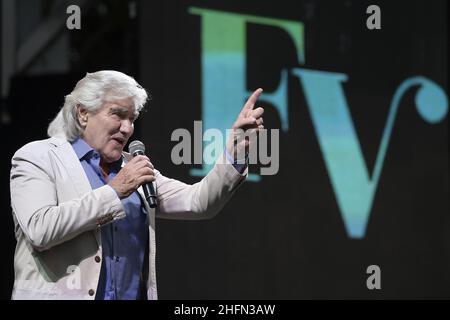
(43, 220)
(202, 200)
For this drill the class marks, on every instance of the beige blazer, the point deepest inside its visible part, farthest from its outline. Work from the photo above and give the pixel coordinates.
(57, 218)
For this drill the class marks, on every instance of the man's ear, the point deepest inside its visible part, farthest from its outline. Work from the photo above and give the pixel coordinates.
(82, 115)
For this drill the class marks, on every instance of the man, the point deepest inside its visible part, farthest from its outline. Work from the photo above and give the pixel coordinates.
(83, 227)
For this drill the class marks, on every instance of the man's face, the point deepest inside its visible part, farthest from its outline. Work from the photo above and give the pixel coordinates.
(109, 129)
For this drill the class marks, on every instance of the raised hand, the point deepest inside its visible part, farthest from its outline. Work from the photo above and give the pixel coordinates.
(247, 124)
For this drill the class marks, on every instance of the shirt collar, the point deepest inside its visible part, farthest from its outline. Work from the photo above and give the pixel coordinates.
(84, 150)
(81, 148)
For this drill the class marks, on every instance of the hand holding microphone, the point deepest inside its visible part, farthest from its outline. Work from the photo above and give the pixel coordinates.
(139, 171)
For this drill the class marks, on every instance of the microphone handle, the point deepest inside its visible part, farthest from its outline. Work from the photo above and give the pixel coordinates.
(150, 195)
(149, 190)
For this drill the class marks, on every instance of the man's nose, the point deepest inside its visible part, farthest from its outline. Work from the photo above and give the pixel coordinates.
(126, 127)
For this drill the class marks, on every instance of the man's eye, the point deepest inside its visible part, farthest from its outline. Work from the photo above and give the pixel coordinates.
(117, 113)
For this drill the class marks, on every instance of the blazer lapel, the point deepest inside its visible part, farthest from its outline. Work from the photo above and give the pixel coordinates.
(67, 156)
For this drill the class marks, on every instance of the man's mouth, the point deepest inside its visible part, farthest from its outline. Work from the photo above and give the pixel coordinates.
(120, 141)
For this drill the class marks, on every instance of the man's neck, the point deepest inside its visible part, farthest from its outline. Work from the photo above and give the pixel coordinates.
(105, 168)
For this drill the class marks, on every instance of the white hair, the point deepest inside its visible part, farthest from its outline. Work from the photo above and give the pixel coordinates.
(91, 93)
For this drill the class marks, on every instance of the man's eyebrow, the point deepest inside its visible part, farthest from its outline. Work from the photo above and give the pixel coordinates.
(123, 111)
(119, 109)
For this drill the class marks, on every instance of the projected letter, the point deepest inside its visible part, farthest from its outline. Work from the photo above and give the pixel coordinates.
(224, 79)
(352, 184)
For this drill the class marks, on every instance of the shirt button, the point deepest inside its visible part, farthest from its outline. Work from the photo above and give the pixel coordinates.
(117, 259)
(91, 292)
(97, 259)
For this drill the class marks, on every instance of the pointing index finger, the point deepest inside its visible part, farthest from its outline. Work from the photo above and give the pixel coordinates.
(252, 100)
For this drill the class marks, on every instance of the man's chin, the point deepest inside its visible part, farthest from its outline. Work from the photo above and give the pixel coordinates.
(113, 156)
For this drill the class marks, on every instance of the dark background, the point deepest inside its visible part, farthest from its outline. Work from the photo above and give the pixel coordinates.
(281, 238)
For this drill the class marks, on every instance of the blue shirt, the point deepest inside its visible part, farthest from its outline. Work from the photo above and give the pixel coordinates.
(124, 241)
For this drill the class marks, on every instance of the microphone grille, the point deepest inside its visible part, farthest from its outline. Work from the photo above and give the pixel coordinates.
(135, 146)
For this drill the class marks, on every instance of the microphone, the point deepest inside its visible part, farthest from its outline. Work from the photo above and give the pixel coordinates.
(137, 148)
